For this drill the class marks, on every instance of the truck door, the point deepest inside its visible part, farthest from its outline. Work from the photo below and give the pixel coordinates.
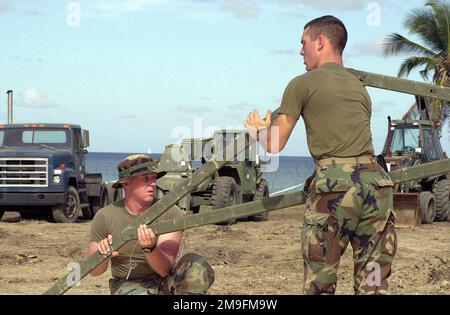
(78, 154)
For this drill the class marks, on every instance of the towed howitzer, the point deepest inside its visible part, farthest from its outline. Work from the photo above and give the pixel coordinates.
(255, 207)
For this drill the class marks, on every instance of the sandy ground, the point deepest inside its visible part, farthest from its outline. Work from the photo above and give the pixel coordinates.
(248, 257)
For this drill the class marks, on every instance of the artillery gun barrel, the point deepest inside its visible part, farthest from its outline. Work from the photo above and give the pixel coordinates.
(402, 85)
(397, 85)
(417, 172)
(166, 202)
(234, 212)
(283, 201)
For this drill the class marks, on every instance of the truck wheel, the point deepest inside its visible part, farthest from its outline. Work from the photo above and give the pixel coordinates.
(441, 191)
(262, 192)
(224, 194)
(427, 207)
(69, 211)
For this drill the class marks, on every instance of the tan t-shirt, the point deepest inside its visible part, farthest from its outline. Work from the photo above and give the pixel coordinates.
(112, 220)
(336, 109)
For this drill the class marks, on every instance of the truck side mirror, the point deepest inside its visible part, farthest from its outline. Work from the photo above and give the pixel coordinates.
(85, 138)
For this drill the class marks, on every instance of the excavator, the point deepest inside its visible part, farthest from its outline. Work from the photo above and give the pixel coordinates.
(415, 140)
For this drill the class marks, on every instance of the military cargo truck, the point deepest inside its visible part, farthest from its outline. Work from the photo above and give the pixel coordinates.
(238, 182)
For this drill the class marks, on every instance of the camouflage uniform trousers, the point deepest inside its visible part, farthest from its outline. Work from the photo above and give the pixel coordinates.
(349, 203)
(191, 275)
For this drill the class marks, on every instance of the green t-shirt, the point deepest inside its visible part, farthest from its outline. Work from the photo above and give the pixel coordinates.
(336, 109)
(112, 220)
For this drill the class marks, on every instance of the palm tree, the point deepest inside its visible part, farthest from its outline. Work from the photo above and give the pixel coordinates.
(431, 24)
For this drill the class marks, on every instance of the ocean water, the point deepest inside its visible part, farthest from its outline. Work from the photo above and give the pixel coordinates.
(292, 171)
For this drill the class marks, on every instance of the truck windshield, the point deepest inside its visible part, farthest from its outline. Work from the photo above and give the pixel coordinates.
(405, 139)
(26, 137)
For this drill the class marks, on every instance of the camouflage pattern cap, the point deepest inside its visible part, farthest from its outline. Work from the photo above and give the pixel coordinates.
(134, 165)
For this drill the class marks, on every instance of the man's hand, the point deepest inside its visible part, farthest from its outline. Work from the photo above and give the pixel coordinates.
(104, 246)
(146, 237)
(254, 123)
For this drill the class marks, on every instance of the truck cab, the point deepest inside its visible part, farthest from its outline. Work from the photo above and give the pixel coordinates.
(42, 168)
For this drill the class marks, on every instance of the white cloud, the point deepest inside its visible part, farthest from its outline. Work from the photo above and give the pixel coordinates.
(341, 5)
(239, 106)
(242, 9)
(128, 116)
(202, 10)
(5, 5)
(116, 8)
(379, 107)
(204, 98)
(138, 5)
(22, 58)
(287, 51)
(192, 108)
(127, 5)
(373, 47)
(201, 14)
(35, 98)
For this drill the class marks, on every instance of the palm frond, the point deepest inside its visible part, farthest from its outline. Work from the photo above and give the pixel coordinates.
(422, 22)
(396, 44)
(430, 54)
(412, 63)
(425, 73)
(441, 10)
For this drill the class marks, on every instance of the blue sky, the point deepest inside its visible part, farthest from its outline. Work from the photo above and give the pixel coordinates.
(140, 74)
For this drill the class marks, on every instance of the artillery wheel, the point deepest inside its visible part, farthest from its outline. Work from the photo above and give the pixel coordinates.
(427, 207)
(69, 211)
(224, 194)
(441, 191)
(262, 192)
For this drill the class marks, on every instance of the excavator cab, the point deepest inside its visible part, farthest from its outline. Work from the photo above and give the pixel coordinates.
(412, 141)
(407, 139)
